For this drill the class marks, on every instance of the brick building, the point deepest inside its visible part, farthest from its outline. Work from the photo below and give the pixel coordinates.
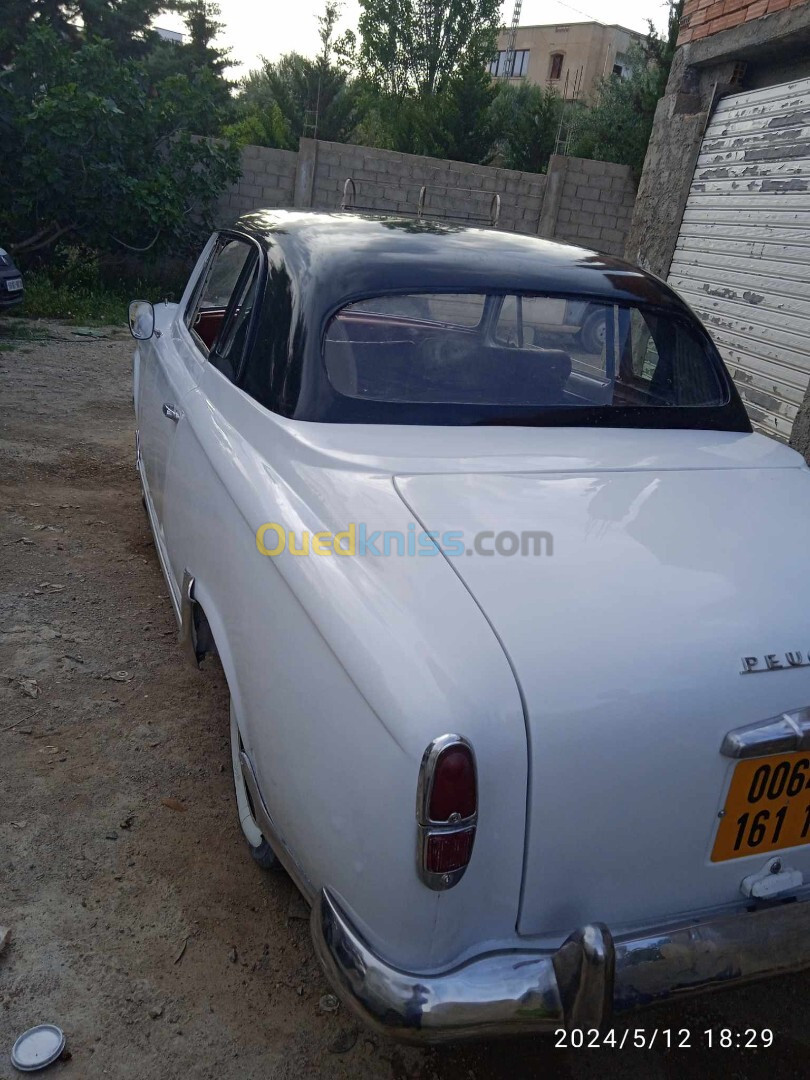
(723, 207)
(704, 17)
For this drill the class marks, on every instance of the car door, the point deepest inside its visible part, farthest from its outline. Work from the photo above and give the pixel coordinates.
(170, 365)
(165, 369)
(164, 380)
(216, 329)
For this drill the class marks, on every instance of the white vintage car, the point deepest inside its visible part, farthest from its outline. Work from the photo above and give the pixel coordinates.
(514, 617)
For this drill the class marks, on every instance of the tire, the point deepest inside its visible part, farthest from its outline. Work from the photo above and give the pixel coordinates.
(259, 848)
(594, 332)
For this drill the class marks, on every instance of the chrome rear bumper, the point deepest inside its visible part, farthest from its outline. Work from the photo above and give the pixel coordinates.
(578, 986)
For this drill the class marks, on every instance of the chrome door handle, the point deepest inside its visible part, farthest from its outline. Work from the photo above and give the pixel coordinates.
(171, 412)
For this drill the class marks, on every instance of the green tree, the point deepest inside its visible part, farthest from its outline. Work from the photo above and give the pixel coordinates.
(661, 48)
(202, 23)
(297, 96)
(618, 126)
(97, 152)
(124, 23)
(422, 86)
(199, 60)
(258, 118)
(465, 121)
(526, 118)
(417, 46)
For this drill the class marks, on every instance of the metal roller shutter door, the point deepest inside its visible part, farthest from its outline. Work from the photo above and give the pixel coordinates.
(743, 254)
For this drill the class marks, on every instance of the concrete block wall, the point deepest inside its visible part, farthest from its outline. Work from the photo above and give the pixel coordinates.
(590, 203)
(387, 180)
(585, 202)
(268, 179)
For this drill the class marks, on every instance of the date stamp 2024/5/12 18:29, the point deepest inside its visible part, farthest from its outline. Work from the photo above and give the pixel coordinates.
(665, 1038)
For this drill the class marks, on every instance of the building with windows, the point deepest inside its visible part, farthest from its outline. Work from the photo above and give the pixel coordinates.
(169, 35)
(570, 57)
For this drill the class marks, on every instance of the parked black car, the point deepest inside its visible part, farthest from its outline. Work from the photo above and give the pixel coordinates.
(11, 283)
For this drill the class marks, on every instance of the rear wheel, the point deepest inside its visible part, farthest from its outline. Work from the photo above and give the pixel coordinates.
(259, 847)
(594, 332)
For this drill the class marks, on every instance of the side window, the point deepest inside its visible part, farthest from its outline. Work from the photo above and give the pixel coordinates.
(529, 320)
(448, 309)
(663, 362)
(643, 348)
(230, 345)
(206, 311)
(583, 330)
(225, 270)
(270, 372)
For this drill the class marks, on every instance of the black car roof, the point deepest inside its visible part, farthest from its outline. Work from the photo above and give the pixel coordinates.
(318, 262)
(345, 255)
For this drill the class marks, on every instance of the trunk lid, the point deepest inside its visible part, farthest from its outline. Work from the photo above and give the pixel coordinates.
(627, 644)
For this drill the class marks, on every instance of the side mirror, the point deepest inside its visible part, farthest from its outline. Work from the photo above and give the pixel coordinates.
(141, 320)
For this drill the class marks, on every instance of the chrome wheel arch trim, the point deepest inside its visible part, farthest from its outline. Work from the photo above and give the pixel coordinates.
(195, 634)
(185, 633)
(250, 826)
(271, 833)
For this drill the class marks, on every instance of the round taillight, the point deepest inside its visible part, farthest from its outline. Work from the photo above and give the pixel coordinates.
(453, 795)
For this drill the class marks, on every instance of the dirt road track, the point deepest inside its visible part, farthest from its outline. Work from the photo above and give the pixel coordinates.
(147, 932)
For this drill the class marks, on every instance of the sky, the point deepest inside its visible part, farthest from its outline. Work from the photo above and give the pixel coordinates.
(270, 28)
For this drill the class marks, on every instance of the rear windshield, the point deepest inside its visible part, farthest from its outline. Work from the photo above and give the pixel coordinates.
(519, 350)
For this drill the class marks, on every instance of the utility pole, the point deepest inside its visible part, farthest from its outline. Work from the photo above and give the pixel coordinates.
(509, 65)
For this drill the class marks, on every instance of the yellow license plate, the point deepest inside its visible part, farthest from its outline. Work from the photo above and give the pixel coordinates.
(767, 807)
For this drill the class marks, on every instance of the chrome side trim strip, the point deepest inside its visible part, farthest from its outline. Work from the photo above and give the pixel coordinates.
(271, 833)
(777, 735)
(185, 634)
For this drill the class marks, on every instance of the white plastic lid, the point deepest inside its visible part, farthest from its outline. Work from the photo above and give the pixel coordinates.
(37, 1047)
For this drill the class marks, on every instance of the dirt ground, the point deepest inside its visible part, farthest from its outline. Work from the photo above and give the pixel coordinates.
(144, 929)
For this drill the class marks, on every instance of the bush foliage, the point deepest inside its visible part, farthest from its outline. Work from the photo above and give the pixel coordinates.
(101, 141)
